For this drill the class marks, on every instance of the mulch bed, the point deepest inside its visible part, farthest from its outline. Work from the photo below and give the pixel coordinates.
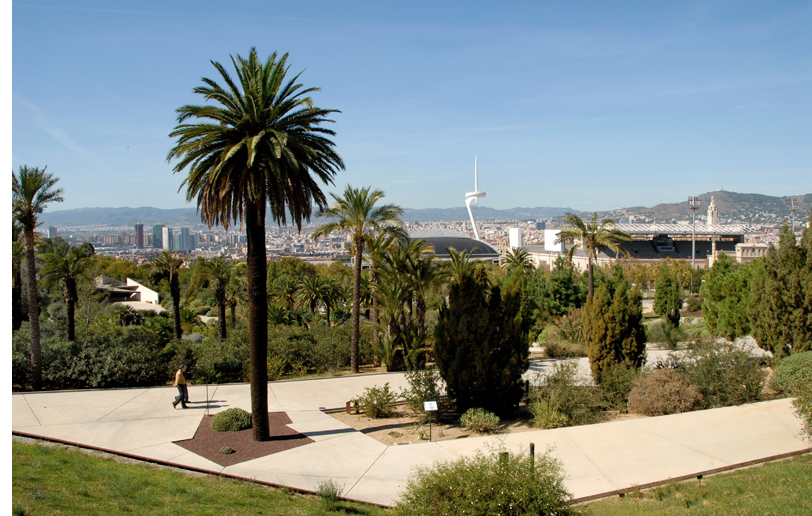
(207, 441)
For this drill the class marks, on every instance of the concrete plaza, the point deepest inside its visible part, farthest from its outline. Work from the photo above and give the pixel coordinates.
(598, 459)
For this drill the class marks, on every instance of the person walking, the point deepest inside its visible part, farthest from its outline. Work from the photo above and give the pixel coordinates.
(180, 383)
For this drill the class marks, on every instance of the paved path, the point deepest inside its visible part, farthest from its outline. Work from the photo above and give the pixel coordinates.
(597, 458)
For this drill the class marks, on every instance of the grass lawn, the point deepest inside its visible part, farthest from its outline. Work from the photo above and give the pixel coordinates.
(48, 480)
(780, 488)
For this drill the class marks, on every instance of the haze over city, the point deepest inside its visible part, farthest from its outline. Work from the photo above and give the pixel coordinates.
(588, 106)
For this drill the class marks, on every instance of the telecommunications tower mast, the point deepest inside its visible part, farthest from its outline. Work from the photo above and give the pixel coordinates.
(474, 196)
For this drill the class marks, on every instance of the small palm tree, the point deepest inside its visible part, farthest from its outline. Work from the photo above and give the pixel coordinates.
(460, 265)
(67, 266)
(517, 259)
(217, 274)
(591, 237)
(356, 213)
(376, 249)
(32, 190)
(167, 266)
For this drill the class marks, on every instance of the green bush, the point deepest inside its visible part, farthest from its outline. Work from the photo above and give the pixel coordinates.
(793, 372)
(480, 421)
(510, 484)
(226, 450)
(545, 414)
(573, 398)
(616, 384)
(664, 392)
(803, 408)
(378, 402)
(425, 385)
(330, 493)
(724, 374)
(231, 420)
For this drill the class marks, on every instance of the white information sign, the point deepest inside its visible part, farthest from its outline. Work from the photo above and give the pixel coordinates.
(429, 406)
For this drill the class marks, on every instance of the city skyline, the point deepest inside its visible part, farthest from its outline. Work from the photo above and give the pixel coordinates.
(589, 107)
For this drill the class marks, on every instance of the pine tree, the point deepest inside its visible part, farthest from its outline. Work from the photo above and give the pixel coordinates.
(480, 348)
(613, 329)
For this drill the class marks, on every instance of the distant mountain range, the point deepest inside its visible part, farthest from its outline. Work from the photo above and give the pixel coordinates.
(733, 207)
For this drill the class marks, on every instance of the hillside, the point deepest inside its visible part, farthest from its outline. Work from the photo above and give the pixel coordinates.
(733, 207)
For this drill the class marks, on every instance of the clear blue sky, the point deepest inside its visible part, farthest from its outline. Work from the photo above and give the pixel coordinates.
(591, 106)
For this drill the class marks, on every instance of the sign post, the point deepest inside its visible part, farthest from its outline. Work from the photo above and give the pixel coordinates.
(430, 406)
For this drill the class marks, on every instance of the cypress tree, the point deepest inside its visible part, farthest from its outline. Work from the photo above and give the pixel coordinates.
(667, 299)
(613, 329)
(727, 294)
(480, 348)
(781, 297)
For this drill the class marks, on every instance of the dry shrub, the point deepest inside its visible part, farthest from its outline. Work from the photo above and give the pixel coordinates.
(664, 392)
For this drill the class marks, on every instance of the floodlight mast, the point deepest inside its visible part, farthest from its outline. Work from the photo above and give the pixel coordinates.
(792, 204)
(693, 203)
(474, 196)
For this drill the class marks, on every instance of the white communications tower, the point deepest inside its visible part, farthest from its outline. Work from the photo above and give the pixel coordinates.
(474, 196)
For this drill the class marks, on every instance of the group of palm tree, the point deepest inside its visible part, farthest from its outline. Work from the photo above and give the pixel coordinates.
(259, 146)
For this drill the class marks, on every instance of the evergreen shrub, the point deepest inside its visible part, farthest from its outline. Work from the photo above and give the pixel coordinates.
(480, 421)
(231, 420)
(617, 382)
(663, 392)
(792, 373)
(484, 485)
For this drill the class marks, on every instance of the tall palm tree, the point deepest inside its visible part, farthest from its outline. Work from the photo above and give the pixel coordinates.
(356, 213)
(261, 146)
(376, 249)
(17, 257)
(67, 266)
(217, 274)
(311, 292)
(32, 190)
(517, 259)
(167, 265)
(591, 237)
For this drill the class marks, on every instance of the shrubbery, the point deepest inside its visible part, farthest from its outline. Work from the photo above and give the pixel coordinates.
(425, 385)
(724, 374)
(564, 399)
(480, 420)
(663, 392)
(507, 484)
(378, 402)
(616, 384)
(231, 420)
(792, 373)
(129, 357)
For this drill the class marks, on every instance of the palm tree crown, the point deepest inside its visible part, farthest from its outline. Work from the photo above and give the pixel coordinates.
(356, 213)
(260, 146)
(591, 237)
(32, 190)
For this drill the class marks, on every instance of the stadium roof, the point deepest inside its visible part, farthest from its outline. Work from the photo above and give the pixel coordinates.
(685, 229)
(479, 250)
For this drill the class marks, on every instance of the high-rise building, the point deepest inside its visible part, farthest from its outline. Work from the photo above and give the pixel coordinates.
(166, 238)
(157, 236)
(185, 240)
(51, 231)
(139, 236)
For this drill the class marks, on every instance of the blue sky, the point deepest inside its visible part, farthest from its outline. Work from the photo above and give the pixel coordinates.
(588, 105)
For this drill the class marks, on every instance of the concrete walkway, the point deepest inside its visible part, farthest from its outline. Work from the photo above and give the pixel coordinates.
(597, 459)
